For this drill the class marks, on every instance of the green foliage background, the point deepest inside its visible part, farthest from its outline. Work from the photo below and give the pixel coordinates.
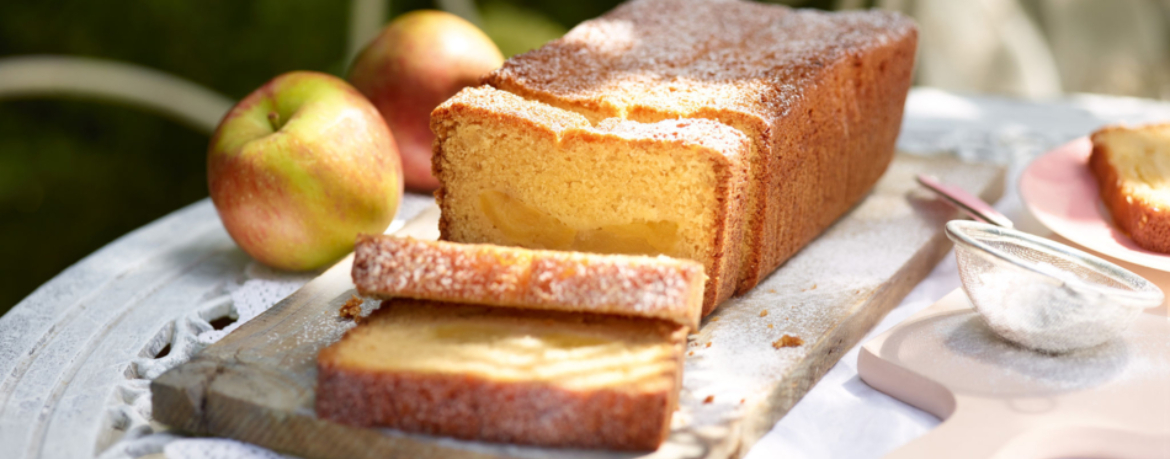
(77, 174)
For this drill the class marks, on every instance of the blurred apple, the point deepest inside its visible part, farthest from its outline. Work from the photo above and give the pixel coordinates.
(418, 61)
(301, 166)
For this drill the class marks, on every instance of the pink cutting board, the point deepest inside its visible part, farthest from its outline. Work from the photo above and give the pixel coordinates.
(998, 400)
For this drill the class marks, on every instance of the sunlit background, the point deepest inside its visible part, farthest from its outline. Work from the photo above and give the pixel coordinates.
(78, 172)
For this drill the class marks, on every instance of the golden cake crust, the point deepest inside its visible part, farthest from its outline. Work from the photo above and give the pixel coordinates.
(820, 94)
(654, 287)
(726, 149)
(1147, 223)
(530, 412)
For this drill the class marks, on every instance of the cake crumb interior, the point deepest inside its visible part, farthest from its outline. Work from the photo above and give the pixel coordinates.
(573, 351)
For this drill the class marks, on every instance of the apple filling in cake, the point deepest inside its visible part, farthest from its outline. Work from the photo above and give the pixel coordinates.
(525, 226)
(576, 352)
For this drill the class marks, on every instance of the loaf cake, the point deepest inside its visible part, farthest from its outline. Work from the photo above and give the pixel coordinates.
(818, 95)
(506, 375)
(654, 287)
(523, 173)
(1132, 167)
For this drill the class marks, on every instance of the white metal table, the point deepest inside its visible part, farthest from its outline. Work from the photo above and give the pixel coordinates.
(76, 355)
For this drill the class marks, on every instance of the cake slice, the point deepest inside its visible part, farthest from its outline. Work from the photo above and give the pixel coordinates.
(1132, 166)
(654, 287)
(818, 94)
(521, 173)
(506, 375)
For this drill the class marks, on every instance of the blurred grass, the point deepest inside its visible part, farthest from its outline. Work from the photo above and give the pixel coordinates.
(75, 175)
(517, 29)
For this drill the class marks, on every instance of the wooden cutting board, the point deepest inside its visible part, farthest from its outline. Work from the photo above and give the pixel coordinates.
(257, 384)
(1002, 401)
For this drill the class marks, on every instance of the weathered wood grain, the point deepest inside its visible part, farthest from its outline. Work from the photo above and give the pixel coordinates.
(257, 384)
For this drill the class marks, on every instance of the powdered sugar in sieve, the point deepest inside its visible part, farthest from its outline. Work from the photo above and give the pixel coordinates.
(1045, 295)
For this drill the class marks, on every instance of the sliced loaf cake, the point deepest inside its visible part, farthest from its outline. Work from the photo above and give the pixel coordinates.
(818, 95)
(522, 173)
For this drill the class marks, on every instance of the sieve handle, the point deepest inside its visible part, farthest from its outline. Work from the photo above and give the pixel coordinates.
(966, 202)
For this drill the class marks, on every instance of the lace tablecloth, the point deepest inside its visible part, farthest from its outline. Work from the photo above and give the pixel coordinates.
(840, 417)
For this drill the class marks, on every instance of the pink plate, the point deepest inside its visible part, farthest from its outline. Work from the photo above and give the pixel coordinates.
(1061, 192)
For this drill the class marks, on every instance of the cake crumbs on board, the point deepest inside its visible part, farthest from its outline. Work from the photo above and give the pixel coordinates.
(787, 341)
(352, 309)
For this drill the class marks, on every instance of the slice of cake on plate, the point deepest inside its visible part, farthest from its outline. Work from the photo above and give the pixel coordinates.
(1132, 166)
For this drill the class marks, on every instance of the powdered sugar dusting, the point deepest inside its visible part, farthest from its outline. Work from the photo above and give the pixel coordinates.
(970, 358)
(727, 54)
(494, 102)
(717, 136)
(657, 287)
(497, 104)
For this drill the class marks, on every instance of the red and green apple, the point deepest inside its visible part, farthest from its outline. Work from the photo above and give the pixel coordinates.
(301, 166)
(419, 60)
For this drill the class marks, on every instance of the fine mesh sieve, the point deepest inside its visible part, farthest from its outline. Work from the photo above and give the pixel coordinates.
(1045, 295)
